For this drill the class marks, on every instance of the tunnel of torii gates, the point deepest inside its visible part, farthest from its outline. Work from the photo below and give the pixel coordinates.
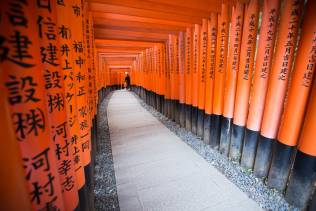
(239, 74)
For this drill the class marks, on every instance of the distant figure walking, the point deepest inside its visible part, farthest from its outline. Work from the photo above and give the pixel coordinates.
(127, 81)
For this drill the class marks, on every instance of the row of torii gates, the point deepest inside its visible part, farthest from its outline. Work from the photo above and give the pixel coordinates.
(238, 74)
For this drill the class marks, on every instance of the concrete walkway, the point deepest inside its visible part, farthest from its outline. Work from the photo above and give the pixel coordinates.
(155, 170)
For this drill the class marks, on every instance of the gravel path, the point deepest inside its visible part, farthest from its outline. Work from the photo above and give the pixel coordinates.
(105, 185)
(255, 188)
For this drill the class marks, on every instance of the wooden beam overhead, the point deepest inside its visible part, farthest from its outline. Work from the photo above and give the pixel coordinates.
(153, 29)
(120, 67)
(117, 55)
(125, 63)
(118, 59)
(129, 35)
(120, 17)
(145, 21)
(206, 5)
(124, 43)
(136, 26)
(131, 56)
(184, 7)
(192, 17)
(100, 51)
(120, 48)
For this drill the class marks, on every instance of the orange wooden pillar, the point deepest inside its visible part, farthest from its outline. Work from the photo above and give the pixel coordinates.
(195, 77)
(141, 74)
(171, 64)
(92, 100)
(260, 83)
(56, 103)
(210, 71)
(281, 69)
(231, 76)
(302, 177)
(220, 69)
(153, 79)
(181, 61)
(146, 75)
(23, 84)
(167, 80)
(13, 186)
(246, 61)
(159, 79)
(188, 77)
(78, 12)
(176, 70)
(163, 78)
(299, 90)
(202, 78)
(156, 77)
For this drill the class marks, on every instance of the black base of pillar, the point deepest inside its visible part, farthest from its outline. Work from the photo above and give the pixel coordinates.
(215, 131)
(165, 107)
(172, 110)
(155, 101)
(301, 180)
(282, 158)
(263, 157)
(207, 128)
(83, 198)
(200, 123)
(151, 99)
(161, 102)
(146, 97)
(182, 114)
(225, 135)
(157, 98)
(89, 176)
(236, 142)
(177, 111)
(188, 117)
(249, 149)
(194, 120)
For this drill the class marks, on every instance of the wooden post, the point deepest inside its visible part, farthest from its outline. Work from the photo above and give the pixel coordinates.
(231, 76)
(246, 61)
(202, 78)
(221, 63)
(260, 81)
(210, 71)
(292, 118)
(281, 69)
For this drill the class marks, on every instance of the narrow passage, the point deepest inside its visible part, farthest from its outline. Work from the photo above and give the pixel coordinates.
(156, 170)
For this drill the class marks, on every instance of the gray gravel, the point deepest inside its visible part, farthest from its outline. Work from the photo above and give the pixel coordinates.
(105, 184)
(255, 188)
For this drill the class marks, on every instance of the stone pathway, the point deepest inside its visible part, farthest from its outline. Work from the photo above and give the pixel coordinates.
(155, 170)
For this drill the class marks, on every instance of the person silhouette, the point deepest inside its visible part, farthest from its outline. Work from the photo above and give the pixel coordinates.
(127, 81)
